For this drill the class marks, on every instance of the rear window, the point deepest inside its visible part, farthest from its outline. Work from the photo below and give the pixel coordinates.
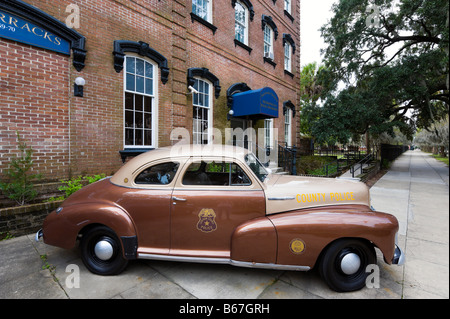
(159, 174)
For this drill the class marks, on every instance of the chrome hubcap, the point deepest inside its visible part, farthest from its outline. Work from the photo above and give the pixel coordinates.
(350, 263)
(103, 250)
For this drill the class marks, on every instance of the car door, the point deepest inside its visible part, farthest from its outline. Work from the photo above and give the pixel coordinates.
(149, 201)
(212, 196)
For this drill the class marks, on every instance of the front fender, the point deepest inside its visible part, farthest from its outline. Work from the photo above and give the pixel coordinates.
(62, 228)
(255, 241)
(303, 235)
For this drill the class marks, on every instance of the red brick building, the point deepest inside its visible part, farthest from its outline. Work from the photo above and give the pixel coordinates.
(149, 66)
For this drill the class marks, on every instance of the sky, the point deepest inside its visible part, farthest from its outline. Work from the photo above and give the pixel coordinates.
(314, 14)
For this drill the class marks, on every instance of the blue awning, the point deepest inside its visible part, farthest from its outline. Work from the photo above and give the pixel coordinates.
(256, 104)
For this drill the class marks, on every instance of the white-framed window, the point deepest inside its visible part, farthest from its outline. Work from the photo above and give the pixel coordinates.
(203, 9)
(287, 6)
(202, 108)
(288, 57)
(288, 127)
(241, 23)
(268, 133)
(139, 103)
(268, 42)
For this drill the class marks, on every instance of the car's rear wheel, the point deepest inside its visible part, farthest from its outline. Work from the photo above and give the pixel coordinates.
(101, 251)
(343, 265)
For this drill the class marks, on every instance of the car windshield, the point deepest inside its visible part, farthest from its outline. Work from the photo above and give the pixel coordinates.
(256, 166)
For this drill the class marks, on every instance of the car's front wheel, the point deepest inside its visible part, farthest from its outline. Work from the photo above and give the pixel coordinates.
(343, 265)
(101, 251)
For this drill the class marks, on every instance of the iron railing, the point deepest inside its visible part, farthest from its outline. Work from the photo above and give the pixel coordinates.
(360, 165)
(287, 159)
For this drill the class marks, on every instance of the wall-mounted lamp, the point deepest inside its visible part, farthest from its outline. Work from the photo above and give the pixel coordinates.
(78, 86)
(230, 114)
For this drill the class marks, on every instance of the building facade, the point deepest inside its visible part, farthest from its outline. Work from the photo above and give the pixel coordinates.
(88, 84)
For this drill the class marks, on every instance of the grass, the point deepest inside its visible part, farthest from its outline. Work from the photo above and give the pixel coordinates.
(315, 165)
(442, 159)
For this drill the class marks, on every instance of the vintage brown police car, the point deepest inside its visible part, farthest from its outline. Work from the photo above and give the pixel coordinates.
(218, 204)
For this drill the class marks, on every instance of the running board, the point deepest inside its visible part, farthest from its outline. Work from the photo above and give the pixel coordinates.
(223, 261)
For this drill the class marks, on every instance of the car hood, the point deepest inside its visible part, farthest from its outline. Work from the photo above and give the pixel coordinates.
(287, 193)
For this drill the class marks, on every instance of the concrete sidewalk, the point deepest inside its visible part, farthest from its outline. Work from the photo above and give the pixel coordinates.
(415, 190)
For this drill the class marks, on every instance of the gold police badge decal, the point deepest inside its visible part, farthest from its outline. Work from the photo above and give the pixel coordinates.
(206, 222)
(297, 246)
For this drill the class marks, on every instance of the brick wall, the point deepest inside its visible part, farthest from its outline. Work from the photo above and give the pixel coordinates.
(82, 135)
(233, 64)
(34, 102)
(18, 221)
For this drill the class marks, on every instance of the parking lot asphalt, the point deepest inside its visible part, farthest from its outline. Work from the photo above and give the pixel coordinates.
(415, 190)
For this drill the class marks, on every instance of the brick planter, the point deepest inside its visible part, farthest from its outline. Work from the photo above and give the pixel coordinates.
(22, 220)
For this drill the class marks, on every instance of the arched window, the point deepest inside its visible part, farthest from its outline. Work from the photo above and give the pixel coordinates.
(270, 35)
(202, 112)
(203, 9)
(288, 57)
(140, 102)
(206, 85)
(288, 6)
(289, 50)
(288, 127)
(268, 42)
(241, 18)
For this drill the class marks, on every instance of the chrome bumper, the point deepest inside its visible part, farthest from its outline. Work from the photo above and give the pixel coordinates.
(38, 235)
(399, 256)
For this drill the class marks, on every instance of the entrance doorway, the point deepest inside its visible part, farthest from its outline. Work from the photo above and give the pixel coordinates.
(240, 138)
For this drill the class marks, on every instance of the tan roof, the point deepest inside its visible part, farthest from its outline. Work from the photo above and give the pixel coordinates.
(125, 174)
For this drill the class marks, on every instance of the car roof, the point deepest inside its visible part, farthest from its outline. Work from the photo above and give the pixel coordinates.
(124, 175)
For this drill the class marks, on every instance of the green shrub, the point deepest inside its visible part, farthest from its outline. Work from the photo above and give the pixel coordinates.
(76, 183)
(19, 180)
(313, 165)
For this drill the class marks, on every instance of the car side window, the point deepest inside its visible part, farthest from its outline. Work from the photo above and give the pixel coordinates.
(215, 173)
(159, 174)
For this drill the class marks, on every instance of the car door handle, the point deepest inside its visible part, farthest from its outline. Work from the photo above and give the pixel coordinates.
(179, 199)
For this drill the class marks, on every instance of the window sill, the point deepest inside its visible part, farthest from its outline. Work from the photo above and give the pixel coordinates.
(242, 45)
(287, 14)
(270, 61)
(195, 17)
(289, 73)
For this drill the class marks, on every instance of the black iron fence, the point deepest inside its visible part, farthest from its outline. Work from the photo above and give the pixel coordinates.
(391, 152)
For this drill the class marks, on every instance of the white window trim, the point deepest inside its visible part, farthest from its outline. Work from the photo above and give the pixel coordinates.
(155, 105)
(209, 15)
(246, 22)
(288, 66)
(271, 43)
(288, 125)
(288, 6)
(270, 128)
(210, 111)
